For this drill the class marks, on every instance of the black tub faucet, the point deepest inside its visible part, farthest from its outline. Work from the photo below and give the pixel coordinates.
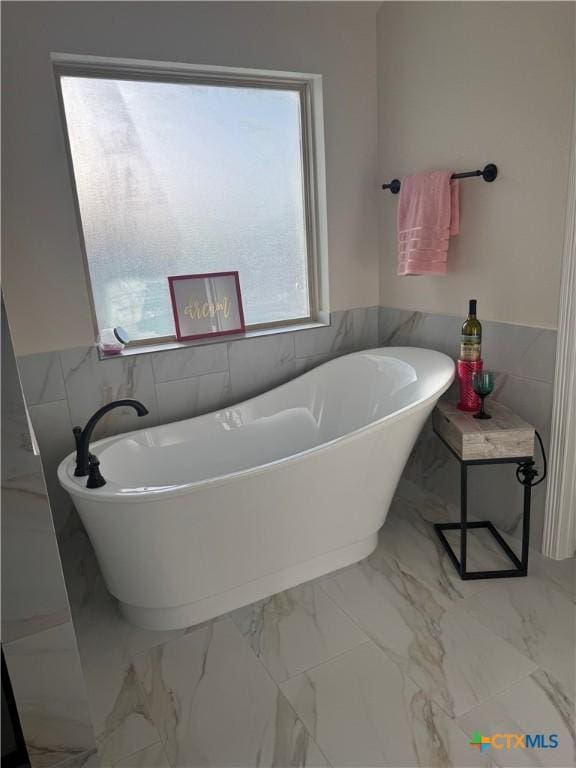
(83, 436)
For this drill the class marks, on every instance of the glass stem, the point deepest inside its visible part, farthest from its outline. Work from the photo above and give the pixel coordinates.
(482, 405)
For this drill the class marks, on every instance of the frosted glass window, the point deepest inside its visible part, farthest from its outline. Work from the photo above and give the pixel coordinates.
(183, 178)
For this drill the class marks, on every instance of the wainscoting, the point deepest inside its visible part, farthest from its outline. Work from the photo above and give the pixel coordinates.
(63, 388)
(38, 637)
(523, 359)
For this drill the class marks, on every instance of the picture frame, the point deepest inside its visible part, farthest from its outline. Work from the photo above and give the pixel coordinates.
(206, 305)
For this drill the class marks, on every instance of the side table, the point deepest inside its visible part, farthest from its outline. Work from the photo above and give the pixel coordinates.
(503, 439)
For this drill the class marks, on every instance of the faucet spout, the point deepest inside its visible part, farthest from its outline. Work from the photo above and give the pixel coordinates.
(83, 436)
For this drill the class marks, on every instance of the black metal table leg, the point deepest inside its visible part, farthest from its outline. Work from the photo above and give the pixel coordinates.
(526, 527)
(520, 563)
(463, 518)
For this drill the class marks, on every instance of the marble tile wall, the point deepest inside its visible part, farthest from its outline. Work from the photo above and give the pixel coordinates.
(64, 388)
(38, 637)
(523, 359)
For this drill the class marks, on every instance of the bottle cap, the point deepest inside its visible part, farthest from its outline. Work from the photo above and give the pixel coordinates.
(121, 335)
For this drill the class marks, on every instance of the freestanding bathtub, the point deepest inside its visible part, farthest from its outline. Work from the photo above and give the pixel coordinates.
(205, 515)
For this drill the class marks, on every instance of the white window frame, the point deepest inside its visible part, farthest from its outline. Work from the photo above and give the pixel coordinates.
(308, 86)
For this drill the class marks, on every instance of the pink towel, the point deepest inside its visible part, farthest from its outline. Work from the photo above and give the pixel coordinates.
(428, 213)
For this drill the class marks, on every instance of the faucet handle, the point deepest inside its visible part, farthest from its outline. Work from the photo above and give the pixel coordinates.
(95, 479)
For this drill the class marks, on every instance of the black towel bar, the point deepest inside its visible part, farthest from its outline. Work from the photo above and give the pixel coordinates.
(488, 173)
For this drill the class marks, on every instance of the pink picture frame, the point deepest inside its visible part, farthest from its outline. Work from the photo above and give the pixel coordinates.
(206, 305)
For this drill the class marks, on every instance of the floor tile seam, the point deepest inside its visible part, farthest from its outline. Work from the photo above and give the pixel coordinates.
(492, 699)
(427, 584)
(134, 657)
(457, 607)
(539, 664)
(277, 686)
(448, 604)
(146, 702)
(137, 752)
(332, 578)
(244, 640)
(367, 641)
(149, 715)
(318, 583)
(562, 587)
(388, 655)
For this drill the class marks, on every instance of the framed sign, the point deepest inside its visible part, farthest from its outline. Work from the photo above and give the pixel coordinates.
(206, 305)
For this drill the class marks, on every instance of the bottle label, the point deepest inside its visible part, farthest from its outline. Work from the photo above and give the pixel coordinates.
(470, 348)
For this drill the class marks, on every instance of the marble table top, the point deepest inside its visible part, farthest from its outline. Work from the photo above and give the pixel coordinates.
(503, 436)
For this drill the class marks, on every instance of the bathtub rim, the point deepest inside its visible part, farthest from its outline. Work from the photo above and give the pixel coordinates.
(102, 495)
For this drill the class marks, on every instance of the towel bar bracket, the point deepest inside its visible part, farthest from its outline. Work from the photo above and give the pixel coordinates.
(488, 173)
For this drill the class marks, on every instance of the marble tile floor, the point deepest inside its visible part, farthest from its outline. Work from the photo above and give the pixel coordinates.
(390, 662)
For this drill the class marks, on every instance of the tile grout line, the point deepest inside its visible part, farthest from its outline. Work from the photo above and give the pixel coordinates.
(441, 556)
(539, 665)
(367, 641)
(137, 752)
(374, 641)
(447, 611)
(279, 691)
(491, 700)
(126, 665)
(148, 713)
(225, 369)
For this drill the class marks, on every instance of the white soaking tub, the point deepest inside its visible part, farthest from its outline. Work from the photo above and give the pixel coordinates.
(205, 515)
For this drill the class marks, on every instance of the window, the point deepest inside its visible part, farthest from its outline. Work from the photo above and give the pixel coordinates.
(187, 173)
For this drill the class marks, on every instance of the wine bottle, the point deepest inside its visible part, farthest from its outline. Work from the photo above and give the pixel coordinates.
(471, 339)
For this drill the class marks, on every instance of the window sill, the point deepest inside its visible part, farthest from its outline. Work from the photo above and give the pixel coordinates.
(147, 349)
